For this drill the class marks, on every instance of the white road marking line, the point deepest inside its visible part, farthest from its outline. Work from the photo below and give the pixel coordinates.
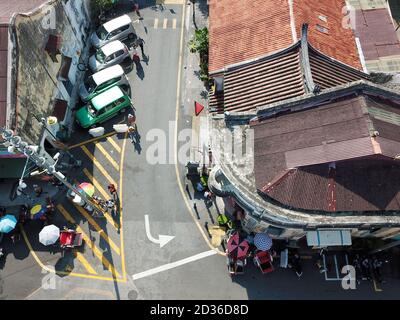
(156, 23)
(173, 264)
(174, 24)
(188, 17)
(165, 23)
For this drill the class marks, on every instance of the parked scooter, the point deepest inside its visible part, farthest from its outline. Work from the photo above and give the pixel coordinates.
(366, 269)
(377, 269)
(320, 261)
(294, 259)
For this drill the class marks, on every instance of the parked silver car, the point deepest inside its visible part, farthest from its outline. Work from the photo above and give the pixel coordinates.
(109, 55)
(120, 28)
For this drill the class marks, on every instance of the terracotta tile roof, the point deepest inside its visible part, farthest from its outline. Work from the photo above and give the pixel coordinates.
(243, 30)
(377, 34)
(295, 149)
(339, 42)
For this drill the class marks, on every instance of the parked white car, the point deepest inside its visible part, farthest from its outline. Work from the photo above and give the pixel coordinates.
(120, 28)
(109, 55)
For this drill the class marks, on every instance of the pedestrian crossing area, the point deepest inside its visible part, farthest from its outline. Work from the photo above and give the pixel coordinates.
(165, 23)
(101, 256)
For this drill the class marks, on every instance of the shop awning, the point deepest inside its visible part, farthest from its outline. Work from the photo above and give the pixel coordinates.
(11, 167)
(324, 238)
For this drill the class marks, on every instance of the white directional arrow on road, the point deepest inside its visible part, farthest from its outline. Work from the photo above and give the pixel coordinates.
(162, 239)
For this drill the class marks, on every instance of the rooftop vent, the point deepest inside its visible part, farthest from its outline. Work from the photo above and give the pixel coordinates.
(322, 29)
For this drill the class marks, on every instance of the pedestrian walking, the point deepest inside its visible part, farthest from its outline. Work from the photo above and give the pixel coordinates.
(136, 58)
(113, 190)
(110, 206)
(140, 42)
(136, 9)
(38, 190)
(131, 126)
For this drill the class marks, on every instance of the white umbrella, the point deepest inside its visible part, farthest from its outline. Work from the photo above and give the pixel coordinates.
(49, 235)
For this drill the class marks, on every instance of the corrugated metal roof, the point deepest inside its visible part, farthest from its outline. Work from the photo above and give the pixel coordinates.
(8, 8)
(377, 34)
(292, 153)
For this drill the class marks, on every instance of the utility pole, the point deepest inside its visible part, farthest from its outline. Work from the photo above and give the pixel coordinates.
(42, 163)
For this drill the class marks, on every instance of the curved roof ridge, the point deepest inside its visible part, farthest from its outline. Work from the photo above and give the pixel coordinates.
(262, 58)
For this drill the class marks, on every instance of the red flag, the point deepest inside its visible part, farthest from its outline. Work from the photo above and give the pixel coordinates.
(198, 108)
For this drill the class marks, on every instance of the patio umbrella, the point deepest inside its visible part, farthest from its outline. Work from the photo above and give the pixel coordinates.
(237, 247)
(7, 223)
(49, 235)
(88, 188)
(262, 241)
(37, 211)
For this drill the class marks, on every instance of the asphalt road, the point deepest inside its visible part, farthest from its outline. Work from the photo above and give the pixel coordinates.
(184, 268)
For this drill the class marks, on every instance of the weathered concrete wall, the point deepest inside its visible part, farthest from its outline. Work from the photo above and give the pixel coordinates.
(37, 83)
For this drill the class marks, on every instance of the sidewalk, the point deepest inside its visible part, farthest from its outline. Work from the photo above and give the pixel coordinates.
(8, 188)
(206, 211)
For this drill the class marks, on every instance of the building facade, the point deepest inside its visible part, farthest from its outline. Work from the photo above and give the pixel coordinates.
(318, 135)
(45, 46)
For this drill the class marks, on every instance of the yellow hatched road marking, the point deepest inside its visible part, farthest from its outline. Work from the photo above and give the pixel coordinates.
(89, 242)
(91, 140)
(104, 194)
(98, 165)
(156, 23)
(165, 23)
(121, 174)
(114, 144)
(107, 155)
(59, 272)
(85, 263)
(174, 24)
(98, 229)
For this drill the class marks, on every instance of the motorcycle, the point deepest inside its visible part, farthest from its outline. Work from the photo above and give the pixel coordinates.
(294, 259)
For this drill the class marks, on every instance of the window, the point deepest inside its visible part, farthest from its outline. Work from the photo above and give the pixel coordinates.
(275, 231)
(323, 18)
(53, 46)
(322, 29)
(122, 29)
(65, 66)
(119, 53)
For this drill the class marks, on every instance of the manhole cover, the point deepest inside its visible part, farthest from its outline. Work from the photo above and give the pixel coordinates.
(132, 295)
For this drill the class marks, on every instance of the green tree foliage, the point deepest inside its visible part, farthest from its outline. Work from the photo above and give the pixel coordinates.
(199, 43)
(101, 5)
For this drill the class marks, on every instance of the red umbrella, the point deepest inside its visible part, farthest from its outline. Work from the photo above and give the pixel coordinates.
(237, 248)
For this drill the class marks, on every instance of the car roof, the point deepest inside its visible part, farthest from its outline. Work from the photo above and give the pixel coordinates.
(107, 97)
(107, 74)
(112, 47)
(117, 23)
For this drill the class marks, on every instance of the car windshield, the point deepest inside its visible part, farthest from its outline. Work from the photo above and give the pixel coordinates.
(90, 85)
(92, 110)
(100, 56)
(102, 33)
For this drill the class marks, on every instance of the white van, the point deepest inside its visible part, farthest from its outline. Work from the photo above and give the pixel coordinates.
(120, 28)
(103, 80)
